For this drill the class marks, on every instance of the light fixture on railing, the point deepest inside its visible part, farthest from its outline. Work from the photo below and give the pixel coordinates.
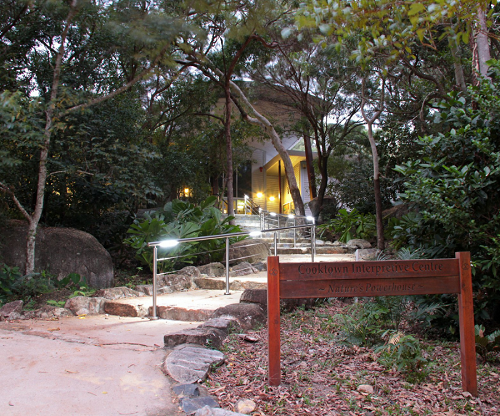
(309, 218)
(291, 216)
(168, 243)
(272, 214)
(254, 234)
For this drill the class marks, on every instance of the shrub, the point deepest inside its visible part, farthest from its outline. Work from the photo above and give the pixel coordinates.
(351, 225)
(454, 186)
(181, 219)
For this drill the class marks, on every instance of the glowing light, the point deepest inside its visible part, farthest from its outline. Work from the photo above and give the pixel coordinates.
(260, 194)
(255, 234)
(186, 191)
(271, 198)
(291, 216)
(168, 243)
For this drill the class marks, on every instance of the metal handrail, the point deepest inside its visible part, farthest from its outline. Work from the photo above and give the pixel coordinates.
(170, 243)
(272, 215)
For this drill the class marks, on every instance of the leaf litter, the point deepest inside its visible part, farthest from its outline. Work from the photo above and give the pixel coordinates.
(320, 377)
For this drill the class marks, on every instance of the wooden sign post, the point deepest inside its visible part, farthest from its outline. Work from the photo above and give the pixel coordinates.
(373, 278)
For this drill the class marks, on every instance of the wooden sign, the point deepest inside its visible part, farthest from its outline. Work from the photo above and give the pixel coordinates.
(373, 278)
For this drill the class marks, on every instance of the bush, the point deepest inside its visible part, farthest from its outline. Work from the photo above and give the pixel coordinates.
(180, 219)
(349, 225)
(454, 187)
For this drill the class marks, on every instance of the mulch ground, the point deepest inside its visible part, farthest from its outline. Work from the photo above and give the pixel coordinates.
(321, 377)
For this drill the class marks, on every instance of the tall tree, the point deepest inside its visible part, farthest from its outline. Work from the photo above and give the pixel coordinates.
(65, 40)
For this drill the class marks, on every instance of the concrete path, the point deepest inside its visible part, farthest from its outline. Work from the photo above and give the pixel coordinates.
(100, 365)
(94, 366)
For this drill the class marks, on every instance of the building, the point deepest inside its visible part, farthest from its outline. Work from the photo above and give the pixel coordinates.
(263, 178)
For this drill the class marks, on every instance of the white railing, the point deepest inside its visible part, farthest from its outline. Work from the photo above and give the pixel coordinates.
(174, 242)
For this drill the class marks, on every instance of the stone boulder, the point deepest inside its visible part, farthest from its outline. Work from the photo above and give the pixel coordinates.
(366, 254)
(250, 250)
(242, 269)
(249, 315)
(11, 310)
(119, 292)
(358, 243)
(83, 305)
(59, 251)
(191, 363)
(213, 270)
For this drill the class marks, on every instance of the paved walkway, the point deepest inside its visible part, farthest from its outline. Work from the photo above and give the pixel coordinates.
(98, 365)
(94, 366)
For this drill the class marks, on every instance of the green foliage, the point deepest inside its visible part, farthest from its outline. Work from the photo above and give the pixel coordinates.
(8, 278)
(404, 353)
(351, 225)
(182, 219)
(454, 185)
(486, 344)
(365, 322)
(15, 286)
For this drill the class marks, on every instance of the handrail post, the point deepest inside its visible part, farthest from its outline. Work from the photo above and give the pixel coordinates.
(294, 232)
(227, 266)
(279, 232)
(275, 244)
(313, 241)
(155, 284)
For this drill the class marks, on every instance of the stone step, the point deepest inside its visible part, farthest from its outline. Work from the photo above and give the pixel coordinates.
(191, 305)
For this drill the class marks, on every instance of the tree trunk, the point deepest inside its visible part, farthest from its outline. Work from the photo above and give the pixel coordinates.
(483, 47)
(376, 190)
(457, 64)
(229, 153)
(376, 170)
(262, 121)
(309, 165)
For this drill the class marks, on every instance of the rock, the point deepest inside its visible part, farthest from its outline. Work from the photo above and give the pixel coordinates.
(186, 390)
(258, 296)
(210, 411)
(120, 292)
(11, 310)
(190, 271)
(365, 389)
(366, 254)
(227, 325)
(182, 314)
(59, 251)
(148, 290)
(83, 305)
(261, 266)
(48, 312)
(210, 283)
(203, 336)
(249, 250)
(189, 363)
(249, 315)
(191, 405)
(213, 270)
(245, 406)
(243, 269)
(115, 307)
(358, 243)
(178, 282)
